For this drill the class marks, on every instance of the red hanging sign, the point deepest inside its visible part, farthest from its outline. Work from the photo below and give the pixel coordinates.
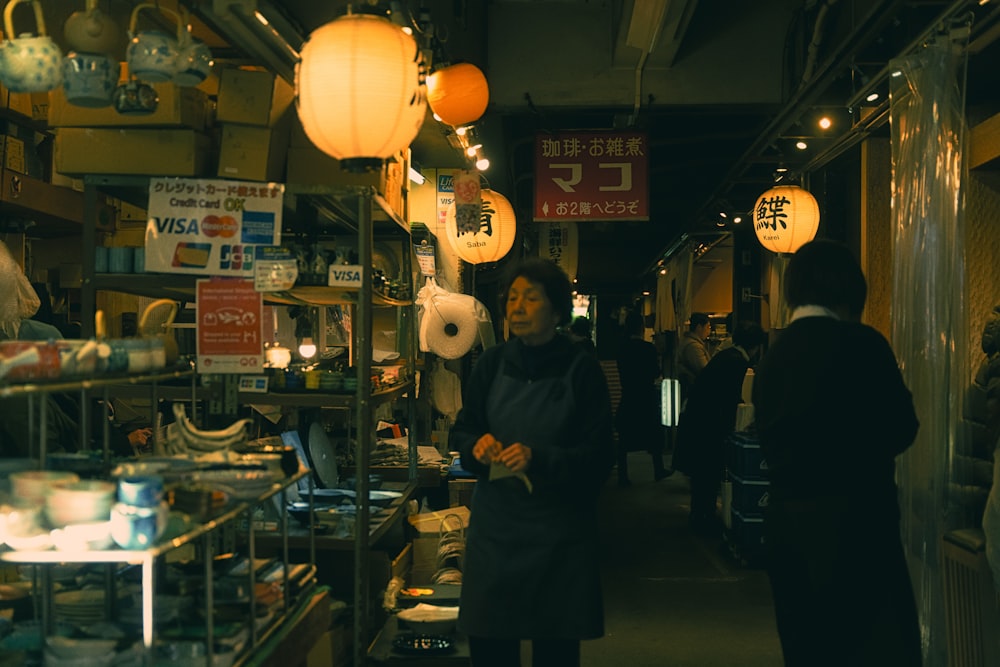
(591, 176)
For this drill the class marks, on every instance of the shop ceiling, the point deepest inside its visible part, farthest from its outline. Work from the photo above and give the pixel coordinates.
(723, 88)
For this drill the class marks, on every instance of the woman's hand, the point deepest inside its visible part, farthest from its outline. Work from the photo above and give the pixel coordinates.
(486, 448)
(517, 457)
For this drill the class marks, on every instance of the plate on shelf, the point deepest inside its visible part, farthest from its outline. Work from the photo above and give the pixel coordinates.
(324, 458)
(413, 644)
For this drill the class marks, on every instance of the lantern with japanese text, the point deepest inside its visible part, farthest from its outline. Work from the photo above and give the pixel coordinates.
(492, 238)
(785, 218)
(458, 94)
(559, 242)
(361, 90)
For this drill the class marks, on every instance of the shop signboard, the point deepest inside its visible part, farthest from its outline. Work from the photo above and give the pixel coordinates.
(591, 176)
(230, 328)
(210, 227)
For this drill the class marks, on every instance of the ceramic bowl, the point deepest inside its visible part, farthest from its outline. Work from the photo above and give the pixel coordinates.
(32, 486)
(84, 501)
(94, 536)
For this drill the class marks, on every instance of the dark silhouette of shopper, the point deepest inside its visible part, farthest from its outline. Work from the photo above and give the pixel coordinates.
(709, 419)
(638, 420)
(580, 333)
(535, 429)
(692, 351)
(832, 413)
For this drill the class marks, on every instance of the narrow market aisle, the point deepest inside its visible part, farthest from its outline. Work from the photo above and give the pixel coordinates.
(673, 599)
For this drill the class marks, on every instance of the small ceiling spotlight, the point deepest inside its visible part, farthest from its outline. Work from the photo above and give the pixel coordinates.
(825, 123)
(472, 150)
(872, 96)
(737, 219)
(482, 164)
(460, 131)
(801, 145)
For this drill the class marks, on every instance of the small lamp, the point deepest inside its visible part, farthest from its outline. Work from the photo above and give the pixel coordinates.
(670, 401)
(785, 218)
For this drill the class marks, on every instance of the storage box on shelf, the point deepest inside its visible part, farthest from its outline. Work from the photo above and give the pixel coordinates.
(81, 151)
(178, 107)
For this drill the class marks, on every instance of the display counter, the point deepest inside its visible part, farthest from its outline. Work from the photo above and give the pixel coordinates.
(383, 652)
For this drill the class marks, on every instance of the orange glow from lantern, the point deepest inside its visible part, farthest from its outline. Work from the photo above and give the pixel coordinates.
(458, 94)
(360, 89)
(785, 218)
(495, 236)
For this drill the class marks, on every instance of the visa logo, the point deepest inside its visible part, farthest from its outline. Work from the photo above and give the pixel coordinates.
(175, 225)
(344, 275)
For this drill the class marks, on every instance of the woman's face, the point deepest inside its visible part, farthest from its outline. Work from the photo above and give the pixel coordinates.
(530, 314)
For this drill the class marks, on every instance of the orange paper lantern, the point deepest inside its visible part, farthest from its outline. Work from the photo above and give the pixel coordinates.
(785, 218)
(495, 236)
(458, 94)
(361, 92)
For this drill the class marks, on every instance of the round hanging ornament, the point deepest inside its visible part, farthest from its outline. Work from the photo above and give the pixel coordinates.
(494, 235)
(785, 218)
(360, 85)
(458, 94)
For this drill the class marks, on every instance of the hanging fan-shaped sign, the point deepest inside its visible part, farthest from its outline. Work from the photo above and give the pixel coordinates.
(559, 242)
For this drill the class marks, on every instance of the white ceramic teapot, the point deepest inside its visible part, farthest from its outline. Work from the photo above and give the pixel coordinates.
(31, 63)
(91, 30)
(152, 55)
(194, 61)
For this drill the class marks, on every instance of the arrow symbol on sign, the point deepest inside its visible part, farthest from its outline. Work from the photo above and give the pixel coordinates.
(576, 175)
(545, 208)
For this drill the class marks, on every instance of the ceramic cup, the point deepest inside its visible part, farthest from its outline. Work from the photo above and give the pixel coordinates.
(120, 260)
(141, 490)
(134, 527)
(31, 63)
(89, 79)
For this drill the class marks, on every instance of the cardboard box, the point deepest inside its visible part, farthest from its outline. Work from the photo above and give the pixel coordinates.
(432, 523)
(178, 107)
(252, 153)
(146, 152)
(252, 97)
(460, 492)
(17, 102)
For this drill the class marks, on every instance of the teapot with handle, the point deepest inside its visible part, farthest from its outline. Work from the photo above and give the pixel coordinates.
(91, 30)
(152, 55)
(31, 63)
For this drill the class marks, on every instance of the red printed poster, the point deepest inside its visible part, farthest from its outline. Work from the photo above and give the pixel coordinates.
(230, 338)
(591, 176)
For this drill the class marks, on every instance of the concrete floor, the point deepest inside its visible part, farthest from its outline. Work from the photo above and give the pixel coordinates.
(673, 599)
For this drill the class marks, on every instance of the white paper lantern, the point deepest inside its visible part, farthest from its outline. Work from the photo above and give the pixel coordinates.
(361, 90)
(559, 242)
(495, 236)
(785, 218)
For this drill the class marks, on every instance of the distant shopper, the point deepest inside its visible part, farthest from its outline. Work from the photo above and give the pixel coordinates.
(692, 351)
(710, 418)
(638, 417)
(832, 414)
(535, 429)
(580, 333)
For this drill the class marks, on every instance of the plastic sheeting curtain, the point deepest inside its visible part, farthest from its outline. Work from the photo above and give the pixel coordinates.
(928, 306)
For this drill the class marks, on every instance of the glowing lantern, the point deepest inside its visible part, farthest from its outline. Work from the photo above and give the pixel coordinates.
(785, 218)
(361, 90)
(458, 94)
(495, 236)
(559, 242)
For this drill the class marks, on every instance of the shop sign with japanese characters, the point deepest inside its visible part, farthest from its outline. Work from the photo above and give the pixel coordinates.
(591, 176)
(210, 227)
(230, 328)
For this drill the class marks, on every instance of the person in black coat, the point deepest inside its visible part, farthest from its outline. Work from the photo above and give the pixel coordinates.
(832, 413)
(709, 418)
(535, 429)
(638, 420)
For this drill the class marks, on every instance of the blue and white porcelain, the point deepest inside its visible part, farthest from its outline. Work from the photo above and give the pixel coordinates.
(31, 63)
(89, 79)
(194, 63)
(152, 55)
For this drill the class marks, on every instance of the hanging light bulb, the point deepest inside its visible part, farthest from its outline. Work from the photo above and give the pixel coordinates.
(307, 348)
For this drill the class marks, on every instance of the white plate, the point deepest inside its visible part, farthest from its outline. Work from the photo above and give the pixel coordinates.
(323, 456)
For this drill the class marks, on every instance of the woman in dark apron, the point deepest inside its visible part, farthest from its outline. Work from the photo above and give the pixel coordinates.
(536, 430)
